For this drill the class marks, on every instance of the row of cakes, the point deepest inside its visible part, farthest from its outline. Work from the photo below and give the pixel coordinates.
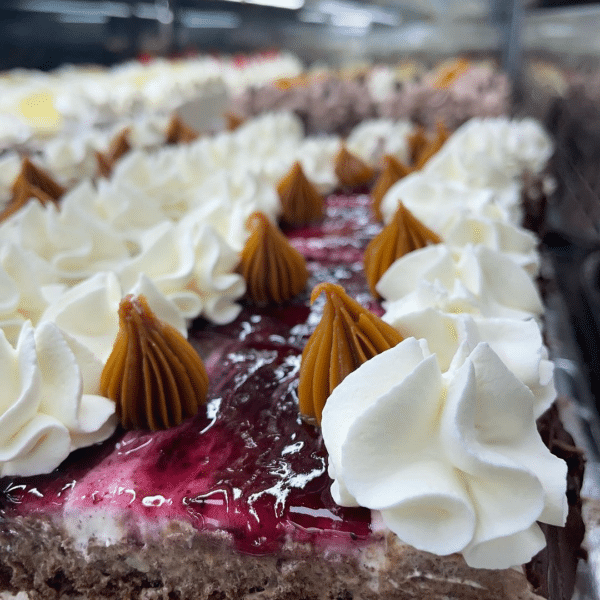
(335, 101)
(172, 231)
(36, 104)
(325, 100)
(170, 225)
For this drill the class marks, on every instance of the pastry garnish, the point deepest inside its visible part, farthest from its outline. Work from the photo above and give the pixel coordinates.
(178, 132)
(448, 72)
(301, 202)
(417, 142)
(274, 270)
(432, 146)
(118, 147)
(153, 374)
(350, 170)
(233, 121)
(31, 182)
(393, 171)
(286, 83)
(347, 336)
(403, 234)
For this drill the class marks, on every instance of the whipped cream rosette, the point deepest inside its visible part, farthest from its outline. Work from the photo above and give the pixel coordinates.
(317, 157)
(27, 287)
(227, 199)
(10, 165)
(519, 345)
(473, 279)
(492, 152)
(74, 242)
(436, 201)
(49, 404)
(374, 138)
(88, 312)
(13, 130)
(463, 468)
(516, 243)
(192, 266)
(72, 158)
(167, 177)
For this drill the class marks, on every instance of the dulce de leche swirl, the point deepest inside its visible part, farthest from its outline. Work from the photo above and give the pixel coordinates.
(393, 171)
(301, 202)
(153, 374)
(31, 182)
(119, 146)
(347, 336)
(352, 171)
(403, 234)
(273, 269)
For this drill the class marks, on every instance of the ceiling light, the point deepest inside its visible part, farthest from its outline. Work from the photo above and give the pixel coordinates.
(76, 7)
(196, 19)
(156, 12)
(288, 4)
(82, 18)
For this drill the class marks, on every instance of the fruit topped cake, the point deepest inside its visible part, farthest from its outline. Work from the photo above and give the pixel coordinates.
(225, 378)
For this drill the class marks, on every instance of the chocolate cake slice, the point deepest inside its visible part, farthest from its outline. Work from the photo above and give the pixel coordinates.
(235, 502)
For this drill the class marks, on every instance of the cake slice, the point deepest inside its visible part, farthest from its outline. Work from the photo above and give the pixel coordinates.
(236, 502)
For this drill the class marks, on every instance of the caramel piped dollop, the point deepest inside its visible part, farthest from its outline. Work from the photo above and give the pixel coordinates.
(274, 270)
(118, 147)
(448, 73)
(403, 234)
(31, 182)
(153, 374)
(301, 202)
(233, 121)
(417, 142)
(347, 336)
(178, 132)
(350, 170)
(433, 146)
(393, 171)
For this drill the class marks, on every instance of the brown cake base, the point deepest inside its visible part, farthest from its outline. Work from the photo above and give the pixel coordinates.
(39, 557)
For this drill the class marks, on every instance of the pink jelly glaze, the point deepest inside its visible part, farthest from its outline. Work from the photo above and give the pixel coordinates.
(246, 464)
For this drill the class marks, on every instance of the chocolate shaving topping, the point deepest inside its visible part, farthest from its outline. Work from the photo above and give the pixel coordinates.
(347, 336)
(274, 271)
(403, 234)
(31, 182)
(301, 202)
(153, 374)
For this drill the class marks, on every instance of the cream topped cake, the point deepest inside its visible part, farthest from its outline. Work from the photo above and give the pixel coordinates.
(280, 478)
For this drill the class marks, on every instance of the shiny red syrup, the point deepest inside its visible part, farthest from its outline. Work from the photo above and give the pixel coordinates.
(246, 464)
